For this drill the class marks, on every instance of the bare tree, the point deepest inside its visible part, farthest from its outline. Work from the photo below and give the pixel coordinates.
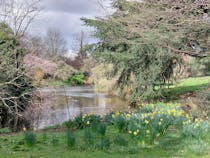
(55, 44)
(19, 14)
(34, 44)
(78, 45)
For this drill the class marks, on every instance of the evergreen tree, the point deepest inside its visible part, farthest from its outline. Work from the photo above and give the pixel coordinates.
(146, 40)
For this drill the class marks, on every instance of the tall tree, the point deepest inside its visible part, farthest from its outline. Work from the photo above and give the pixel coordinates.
(15, 86)
(55, 44)
(79, 44)
(145, 40)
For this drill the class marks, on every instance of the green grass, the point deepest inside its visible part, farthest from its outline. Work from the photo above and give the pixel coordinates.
(188, 85)
(171, 145)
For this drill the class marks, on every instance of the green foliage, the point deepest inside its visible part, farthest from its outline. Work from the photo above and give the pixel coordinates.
(163, 130)
(199, 67)
(5, 130)
(78, 122)
(85, 120)
(120, 140)
(101, 129)
(30, 138)
(199, 130)
(105, 143)
(71, 139)
(151, 122)
(88, 137)
(76, 79)
(144, 42)
(109, 119)
(120, 123)
(54, 140)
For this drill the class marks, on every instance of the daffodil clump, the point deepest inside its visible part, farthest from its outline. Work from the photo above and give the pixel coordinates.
(147, 123)
(199, 129)
(151, 121)
(83, 121)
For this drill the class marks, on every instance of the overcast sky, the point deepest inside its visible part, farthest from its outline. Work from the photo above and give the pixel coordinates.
(65, 15)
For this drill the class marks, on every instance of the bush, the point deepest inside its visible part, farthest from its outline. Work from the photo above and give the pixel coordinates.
(77, 79)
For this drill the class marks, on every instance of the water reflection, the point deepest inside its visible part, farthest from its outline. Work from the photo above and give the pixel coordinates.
(68, 102)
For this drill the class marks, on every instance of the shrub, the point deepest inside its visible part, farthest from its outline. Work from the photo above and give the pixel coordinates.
(77, 79)
(30, 138)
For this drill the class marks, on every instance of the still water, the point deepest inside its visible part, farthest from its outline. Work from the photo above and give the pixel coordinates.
(67, 102)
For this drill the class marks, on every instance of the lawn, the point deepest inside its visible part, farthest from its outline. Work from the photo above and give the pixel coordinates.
(156, 130)
(169, 146)
(188, 85)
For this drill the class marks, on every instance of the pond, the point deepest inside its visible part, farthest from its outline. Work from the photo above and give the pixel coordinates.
(67, 102)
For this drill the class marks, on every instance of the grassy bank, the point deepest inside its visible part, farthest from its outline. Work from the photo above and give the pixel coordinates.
(160, 130)
(169, 146)
(188, 85)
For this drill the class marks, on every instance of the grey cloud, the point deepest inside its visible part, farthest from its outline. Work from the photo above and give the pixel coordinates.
(72, 6)
(65, 15)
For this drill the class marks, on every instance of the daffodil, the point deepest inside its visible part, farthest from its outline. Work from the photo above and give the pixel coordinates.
(24, 129)
(180, 113)
(135, 133)
(187, 116)
(146, 122)
(147, 131)
(159, 123)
